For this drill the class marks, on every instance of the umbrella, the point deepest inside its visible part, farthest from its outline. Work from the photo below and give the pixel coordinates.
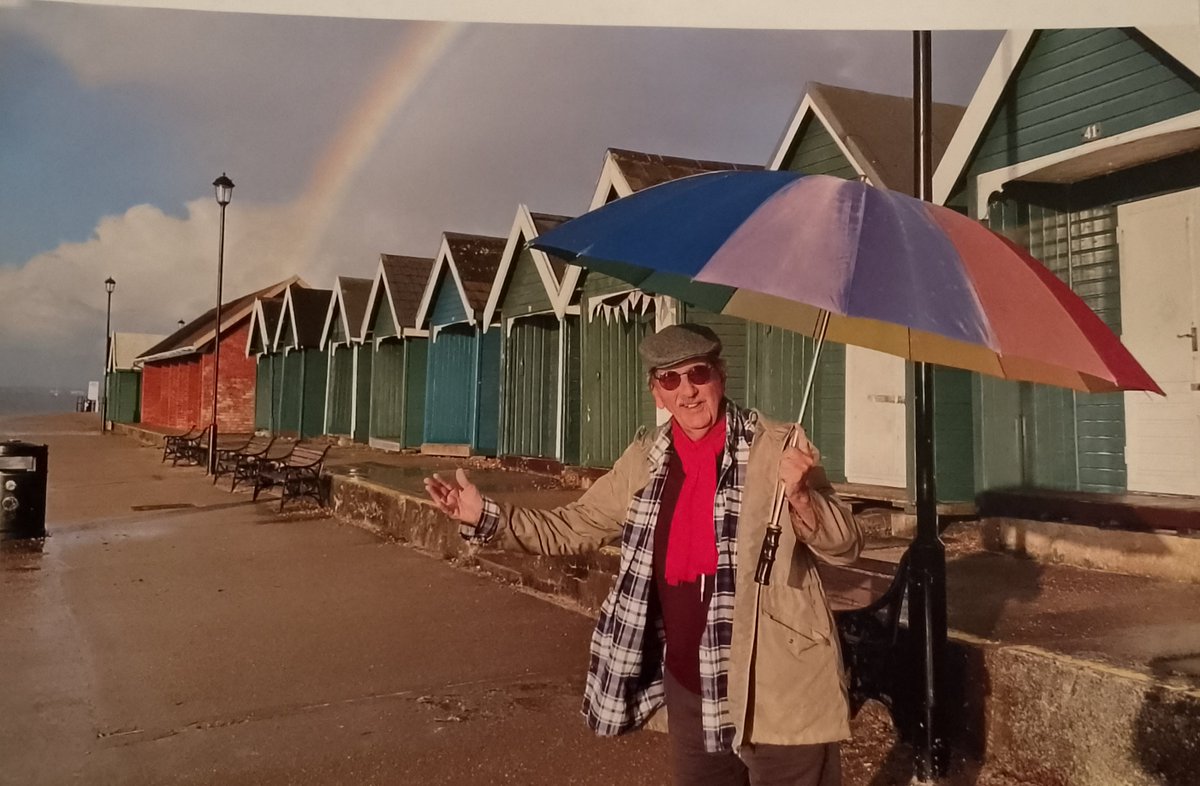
(860, 265)
(886, 271)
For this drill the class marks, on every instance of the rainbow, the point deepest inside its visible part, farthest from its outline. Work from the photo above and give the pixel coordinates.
(353, 145)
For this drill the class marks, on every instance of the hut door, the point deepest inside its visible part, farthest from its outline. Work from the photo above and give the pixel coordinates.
(531, 387)
(1160, 259)
(341, 382)
(362, 392)
(452, 382)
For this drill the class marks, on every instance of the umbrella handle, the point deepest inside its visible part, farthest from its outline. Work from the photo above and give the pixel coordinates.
(770, 544)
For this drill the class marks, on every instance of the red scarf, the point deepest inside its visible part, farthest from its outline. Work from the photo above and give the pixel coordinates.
(692, 548)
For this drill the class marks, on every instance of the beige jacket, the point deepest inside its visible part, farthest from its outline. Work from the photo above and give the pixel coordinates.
(799, 688)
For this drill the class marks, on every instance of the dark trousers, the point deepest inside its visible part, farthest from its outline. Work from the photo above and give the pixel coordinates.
(758, 765)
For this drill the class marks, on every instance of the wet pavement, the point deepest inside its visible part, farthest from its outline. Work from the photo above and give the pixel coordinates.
(169, 631)
(220, 644)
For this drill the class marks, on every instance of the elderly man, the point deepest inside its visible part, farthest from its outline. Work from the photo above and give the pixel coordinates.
(751, 675)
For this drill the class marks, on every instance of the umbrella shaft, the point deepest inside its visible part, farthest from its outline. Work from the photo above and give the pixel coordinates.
(766, 556)
(818, 345)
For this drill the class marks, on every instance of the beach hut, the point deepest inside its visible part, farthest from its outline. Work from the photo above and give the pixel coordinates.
(122, 379)
(540, 359)
(400, 352)
(304, 368)
(858, 414)
(1084, 146)
(177, 372)
(348, 389)
(260, 345)
(462, 391)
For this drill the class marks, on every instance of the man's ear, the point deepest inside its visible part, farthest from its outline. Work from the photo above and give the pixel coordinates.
(658, 400)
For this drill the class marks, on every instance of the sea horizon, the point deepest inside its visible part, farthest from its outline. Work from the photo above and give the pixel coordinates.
(32, 400)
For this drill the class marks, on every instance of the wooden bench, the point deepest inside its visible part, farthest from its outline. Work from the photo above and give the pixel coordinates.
(198, 452)
(248, 468)
(188, 448)
(173, 442)
(230, 458)
(299, 475)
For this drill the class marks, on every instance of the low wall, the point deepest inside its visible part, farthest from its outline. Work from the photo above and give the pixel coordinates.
(1061, 721)
(1161, 556)
(143, 435)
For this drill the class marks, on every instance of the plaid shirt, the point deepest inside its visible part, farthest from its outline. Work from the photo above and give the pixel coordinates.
(623, 688)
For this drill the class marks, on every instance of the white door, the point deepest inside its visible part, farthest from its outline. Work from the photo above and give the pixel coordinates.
(1159, 316)
(875, 418)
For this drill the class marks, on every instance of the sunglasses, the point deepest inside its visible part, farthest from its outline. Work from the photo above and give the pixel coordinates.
(697, 375)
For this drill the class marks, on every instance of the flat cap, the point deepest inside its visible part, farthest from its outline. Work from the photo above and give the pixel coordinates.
(675, 344)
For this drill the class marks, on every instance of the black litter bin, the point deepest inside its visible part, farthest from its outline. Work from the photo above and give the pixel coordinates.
(22, 490)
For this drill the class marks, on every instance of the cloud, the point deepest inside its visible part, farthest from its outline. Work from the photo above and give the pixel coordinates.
(165, 268)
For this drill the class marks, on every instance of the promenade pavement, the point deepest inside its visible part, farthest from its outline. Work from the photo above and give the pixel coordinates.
(169, 631)
(218, 643)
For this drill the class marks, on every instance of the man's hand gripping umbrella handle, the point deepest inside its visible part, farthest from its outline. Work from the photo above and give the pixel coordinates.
(770, 544)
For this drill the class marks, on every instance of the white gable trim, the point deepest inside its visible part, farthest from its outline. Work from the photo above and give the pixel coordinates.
(989, 182)
(376, 288)
(611, 179)
(444, 257)
(390, 302)
(523, 231)
(431, 283)
(810, 106)
(255, 324)
(995, 79)
(335, 304)
(258, 316)
(381, 285)
(287, 315)
(570, 282)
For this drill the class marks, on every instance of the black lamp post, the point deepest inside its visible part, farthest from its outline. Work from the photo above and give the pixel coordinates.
(109, 286)
(223, 188)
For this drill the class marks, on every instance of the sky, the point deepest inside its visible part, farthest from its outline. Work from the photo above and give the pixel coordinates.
(346, 138)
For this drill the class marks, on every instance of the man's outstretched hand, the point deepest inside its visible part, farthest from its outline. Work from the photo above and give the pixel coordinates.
(460, 500)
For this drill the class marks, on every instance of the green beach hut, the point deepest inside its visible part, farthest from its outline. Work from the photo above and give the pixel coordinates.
(348, 390)
(400, 352)
(540, 346)
(122, 380)
(304, 367)
(462, 392)
(1084, 146)
(260, 344)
